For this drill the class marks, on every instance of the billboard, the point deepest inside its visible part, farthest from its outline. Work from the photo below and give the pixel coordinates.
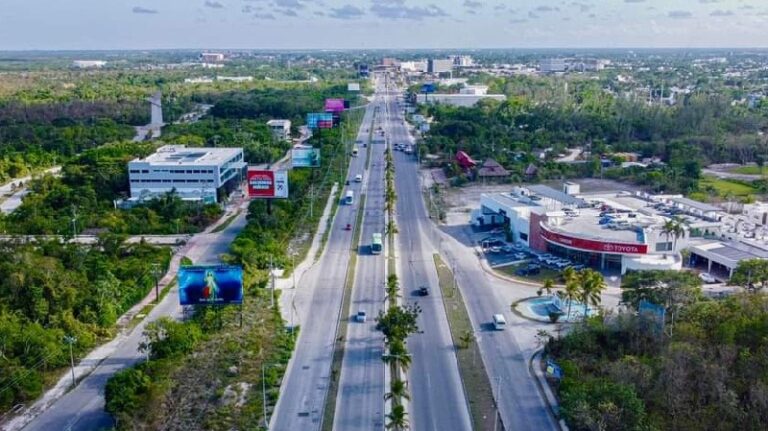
(265, 184)
(334, 105)
(320, 120)
(353, 86)
(428, 87)
(210, 285)
(305, 157)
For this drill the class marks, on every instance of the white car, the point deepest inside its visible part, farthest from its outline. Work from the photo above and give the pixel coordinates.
(358, 178)
(707, 278)
(360, 316)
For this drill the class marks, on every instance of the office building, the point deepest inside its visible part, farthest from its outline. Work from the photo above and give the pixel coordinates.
(552, 65)
(89, 64)
(444, 65)
(281, 129)
(211, 57)
(195, 173)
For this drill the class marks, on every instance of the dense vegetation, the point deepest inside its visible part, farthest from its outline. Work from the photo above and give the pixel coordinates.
(49, 291)
(706, 370)
(546, 116)
(83, 198)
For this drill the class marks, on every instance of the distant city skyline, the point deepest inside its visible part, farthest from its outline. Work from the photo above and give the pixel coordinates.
(375, 24)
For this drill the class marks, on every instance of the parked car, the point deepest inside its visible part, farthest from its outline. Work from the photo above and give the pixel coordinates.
(495, 249)
(508, 249)
(520, 256)
(360, 316)
(707, 278)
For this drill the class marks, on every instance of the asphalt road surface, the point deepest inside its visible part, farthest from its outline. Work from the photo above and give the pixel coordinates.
(83, 407)
(305, 385)
(437, 396)
(360, 401)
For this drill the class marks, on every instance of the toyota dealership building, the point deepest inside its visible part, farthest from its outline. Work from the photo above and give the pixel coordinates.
(614, 232)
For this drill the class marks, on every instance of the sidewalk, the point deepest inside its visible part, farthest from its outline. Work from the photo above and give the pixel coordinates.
(287, 305)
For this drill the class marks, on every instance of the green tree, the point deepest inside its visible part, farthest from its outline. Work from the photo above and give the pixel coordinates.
(397, 419)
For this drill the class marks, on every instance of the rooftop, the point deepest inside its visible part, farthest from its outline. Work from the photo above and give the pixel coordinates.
(696, 205)
(279, 123)
(180, 155)
(556, 195)
(585, 225)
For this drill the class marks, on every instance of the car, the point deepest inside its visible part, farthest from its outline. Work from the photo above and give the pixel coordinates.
(707, 278)
(507, 249)
(358, 178)
(520, 256)
(348, 227)
(423, 291)
(578, 267)
(495, 249)
(360, 316)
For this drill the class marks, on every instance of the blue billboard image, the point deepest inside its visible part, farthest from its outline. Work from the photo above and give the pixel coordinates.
(210, 285)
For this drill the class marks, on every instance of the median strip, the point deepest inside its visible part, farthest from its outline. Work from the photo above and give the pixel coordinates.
(474, 378)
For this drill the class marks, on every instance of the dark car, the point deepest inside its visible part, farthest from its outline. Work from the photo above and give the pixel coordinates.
(423, 291)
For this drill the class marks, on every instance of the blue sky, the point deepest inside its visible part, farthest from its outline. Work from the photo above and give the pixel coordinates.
(361, 24)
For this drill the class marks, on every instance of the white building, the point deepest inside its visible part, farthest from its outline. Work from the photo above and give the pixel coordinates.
(444, 65)
(281, 129)
(477, 90)
(552, 65)
(212, 57)
(413, 66)
(235, 78)
(89, 64)
(463, 61)
(195, 173)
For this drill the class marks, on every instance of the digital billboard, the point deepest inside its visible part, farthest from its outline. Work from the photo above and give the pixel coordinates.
(320, 120)
(305, 157)
(210, 285)
(334, 105)
(265, 184)
(353, 86)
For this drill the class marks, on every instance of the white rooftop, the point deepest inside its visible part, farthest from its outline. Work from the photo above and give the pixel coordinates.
(280, 123)
(174, 155)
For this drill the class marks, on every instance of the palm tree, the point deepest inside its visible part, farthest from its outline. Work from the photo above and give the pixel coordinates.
(397, 419)
(571, 287)
(397, 391)
(392, 289)
(673, 228)
(549, 284)
(591, 285)
(398, 355)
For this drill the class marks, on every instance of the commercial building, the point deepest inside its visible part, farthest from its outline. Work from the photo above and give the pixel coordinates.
(211, 57)
(281, 129)
(552, 65)
(435, 65)
(195, 173)
(463, 61)
(89, 64)
(612, 232)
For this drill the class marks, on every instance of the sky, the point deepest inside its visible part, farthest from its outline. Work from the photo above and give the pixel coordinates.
(376, 24)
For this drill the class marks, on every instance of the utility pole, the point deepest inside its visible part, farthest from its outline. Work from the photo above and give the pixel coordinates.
(498, 395)
(264, 394)
(156, 273)
(71, 340)
(272, 275)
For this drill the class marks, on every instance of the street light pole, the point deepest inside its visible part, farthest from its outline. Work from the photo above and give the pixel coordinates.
(156, 273)
(71, 340)
(498, 395)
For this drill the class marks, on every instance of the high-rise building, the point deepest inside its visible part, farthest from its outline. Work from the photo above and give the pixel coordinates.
(443, 65)
(552, 65)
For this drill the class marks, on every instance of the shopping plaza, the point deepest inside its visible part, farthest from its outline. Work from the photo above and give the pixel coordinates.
(619, 232)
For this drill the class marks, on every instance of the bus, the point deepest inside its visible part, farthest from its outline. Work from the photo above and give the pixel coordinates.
(349, 198)
(376, 244)
(355, 150)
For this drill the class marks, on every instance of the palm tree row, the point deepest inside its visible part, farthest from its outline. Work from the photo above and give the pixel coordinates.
(390, 196)
(398, 358)
(584, 286)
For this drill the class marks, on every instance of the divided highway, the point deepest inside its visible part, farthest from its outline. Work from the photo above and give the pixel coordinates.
(320, 291)
(438, 401)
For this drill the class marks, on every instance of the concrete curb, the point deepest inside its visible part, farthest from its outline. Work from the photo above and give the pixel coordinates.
(546, 391)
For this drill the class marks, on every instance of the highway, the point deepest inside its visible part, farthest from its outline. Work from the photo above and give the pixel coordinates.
(360, 401)
(83, 407)
(319, 292)
(437, 396)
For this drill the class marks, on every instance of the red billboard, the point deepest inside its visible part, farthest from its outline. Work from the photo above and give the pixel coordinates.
(267, 184)
(593, 245)
(334, 105)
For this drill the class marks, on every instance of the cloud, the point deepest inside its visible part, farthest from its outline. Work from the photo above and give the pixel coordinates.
(634, 1)
(583, 7)
(546, 9)
(213, 4)
(416, 13)
(470, 4)
(287, 12)
(679, 14)
(746, 7)
(143, 10)
(532, 15)
(722, 13)
(289, 4)
(518, 21)
(709, 1)
(268, 16)
(500, 7)
(319, 13)
(347, 12)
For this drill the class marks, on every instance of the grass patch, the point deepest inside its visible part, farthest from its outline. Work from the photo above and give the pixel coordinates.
(748, 170)
(477, 386)
(329, 410)
(723, 187)
(226, 222)
(147, 308)
(538, 278)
